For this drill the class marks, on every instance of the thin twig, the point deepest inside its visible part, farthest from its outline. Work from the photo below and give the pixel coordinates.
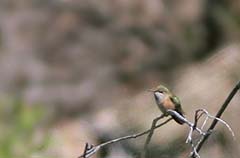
(197, 117)
(150, 134)
(220, 120)
(204, 123)
(94, 149)
(198, 114)
(218, 115)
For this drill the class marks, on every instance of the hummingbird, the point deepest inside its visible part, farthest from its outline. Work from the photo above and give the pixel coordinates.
(166, 100)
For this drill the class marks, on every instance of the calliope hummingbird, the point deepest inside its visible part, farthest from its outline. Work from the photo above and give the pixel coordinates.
(165, 100)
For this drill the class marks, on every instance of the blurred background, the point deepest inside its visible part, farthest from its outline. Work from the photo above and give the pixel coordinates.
(78, 71)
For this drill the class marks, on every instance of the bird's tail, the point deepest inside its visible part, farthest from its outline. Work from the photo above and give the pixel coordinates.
(177, 119)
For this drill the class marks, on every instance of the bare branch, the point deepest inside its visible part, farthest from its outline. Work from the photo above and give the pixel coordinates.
(90, 149)
(220, 120)
(88, 152)
(149, 137)
(204, 123)
(190, 124)
(218, 115)
(189, 138)
(193, 126)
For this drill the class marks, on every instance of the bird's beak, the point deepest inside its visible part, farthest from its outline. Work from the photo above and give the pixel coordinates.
(151, 90)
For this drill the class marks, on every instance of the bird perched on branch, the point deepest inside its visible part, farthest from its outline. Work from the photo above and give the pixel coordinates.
(166, 100)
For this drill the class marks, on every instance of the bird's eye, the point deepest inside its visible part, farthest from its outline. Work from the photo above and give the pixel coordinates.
(160, 91)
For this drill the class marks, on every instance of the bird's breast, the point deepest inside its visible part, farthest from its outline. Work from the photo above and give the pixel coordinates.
(166, 104)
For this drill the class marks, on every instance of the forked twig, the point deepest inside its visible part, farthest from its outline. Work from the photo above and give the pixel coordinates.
(150, 134)
(193, 126)
(220, 120)
(198, 114)
(88, 152)
(218, 115)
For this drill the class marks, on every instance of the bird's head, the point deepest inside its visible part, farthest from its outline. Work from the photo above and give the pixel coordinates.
(160, 92)
(160, 89)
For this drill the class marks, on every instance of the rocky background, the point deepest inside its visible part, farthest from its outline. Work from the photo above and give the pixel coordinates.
(78, 71)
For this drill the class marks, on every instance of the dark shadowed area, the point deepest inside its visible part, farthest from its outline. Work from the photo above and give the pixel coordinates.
(73, 72)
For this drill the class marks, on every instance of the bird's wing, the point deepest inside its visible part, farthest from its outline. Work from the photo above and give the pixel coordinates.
(177, 103)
